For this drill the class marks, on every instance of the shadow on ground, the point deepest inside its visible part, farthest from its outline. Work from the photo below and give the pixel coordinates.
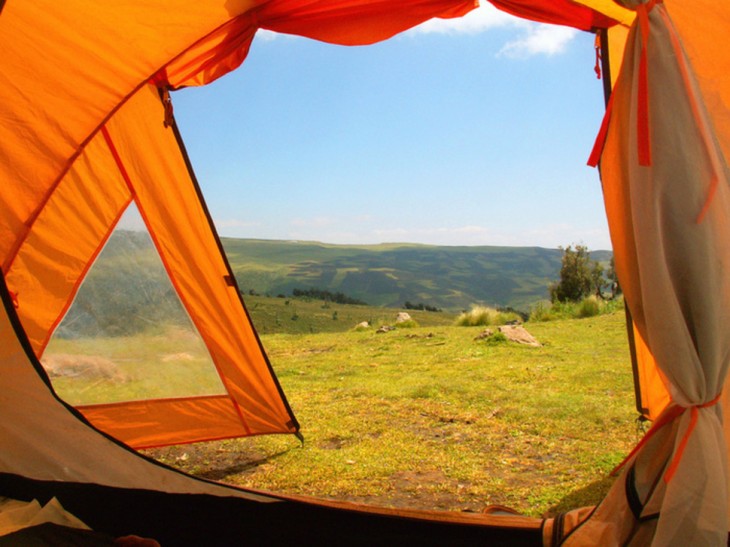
(225, 472)
(588, 495)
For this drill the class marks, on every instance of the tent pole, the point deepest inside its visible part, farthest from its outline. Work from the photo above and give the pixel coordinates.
(605, 64)
(606, 72)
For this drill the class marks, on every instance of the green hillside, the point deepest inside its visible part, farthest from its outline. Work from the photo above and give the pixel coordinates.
(451, 278)
(307, 316)
(127, 290)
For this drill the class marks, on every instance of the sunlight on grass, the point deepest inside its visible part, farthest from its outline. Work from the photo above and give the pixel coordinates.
(429, 417)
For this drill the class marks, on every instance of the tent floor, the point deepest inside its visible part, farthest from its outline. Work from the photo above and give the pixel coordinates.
(200, 519)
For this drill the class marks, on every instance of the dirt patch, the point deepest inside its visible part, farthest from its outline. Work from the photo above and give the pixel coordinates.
(415, 480)
(333, 443)
(414, 489)
(302, 351)
(423, 489)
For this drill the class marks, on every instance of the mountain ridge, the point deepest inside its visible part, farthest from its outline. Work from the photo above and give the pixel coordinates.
(390, 274)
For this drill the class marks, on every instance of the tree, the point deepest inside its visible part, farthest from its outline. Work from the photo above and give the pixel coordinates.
(597, 279)
(575, 276)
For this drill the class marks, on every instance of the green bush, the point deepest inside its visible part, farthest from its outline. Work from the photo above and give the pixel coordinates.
(481, 316)
(541, 312)
(588, 307)
(557, 310)
(576, 273)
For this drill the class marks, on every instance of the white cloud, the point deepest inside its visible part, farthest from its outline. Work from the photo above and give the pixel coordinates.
(483, 18)
(131, 220)
(267, 35)
(563, 234)
(539, 39)
(365, 231)
(459, 235)
(531, 38)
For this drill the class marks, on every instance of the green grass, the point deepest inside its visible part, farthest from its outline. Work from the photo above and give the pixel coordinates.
(429, 417)
(309, 316)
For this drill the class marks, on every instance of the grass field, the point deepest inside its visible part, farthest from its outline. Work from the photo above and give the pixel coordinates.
(309, 316)
(430, 418)
(423, 417)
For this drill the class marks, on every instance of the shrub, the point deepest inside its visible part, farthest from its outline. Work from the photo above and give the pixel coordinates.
(477, 316)
(575, 275)
(480, 316)
(588, 307)
(420, 306)
(541, 312)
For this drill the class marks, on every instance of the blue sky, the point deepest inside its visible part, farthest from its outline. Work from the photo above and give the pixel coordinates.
(468, 132)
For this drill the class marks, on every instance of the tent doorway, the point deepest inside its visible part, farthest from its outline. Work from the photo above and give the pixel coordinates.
(271, 122)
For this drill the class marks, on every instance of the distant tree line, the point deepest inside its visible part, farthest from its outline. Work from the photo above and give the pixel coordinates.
(420, 306)
(321, 294)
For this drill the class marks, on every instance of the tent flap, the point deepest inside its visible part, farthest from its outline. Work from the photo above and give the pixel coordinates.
(662, 167)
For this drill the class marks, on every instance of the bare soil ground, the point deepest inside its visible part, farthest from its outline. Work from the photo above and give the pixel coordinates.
(428, 489)
(410, 489)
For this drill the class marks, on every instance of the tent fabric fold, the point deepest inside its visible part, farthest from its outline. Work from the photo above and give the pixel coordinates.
(348, 22)
(559, 12)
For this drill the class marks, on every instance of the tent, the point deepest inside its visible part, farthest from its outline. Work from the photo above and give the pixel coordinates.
(86, 128)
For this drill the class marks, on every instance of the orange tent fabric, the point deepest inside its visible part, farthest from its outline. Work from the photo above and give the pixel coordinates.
(78, 149)
(560, 12)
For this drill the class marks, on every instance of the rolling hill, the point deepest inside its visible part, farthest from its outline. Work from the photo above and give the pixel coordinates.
(127, 289)
(451, 278)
